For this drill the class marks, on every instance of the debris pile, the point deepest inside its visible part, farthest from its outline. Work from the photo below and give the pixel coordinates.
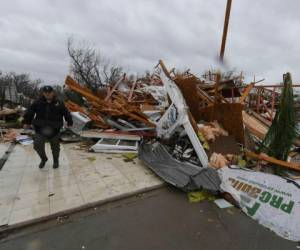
(9, 118)
(196, 118)
(125, 105)
(8, 135)
(218, 161)
(15, 136)
(212, 130)
(212, 133)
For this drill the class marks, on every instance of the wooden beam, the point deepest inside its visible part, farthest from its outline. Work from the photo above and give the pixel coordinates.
(225, 29)
(102, 106)
(164, 68)
(272, 160)
(246, 92)
(216, 94)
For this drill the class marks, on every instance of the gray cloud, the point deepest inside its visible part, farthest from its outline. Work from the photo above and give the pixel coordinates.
(262, 38)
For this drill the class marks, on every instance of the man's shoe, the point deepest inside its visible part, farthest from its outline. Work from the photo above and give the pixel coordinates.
(55, 164)
(42, 163)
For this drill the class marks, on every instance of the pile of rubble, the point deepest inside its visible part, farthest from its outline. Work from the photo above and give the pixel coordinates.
(125, 105)
(197, 118)
(196, 133)
(9, 117)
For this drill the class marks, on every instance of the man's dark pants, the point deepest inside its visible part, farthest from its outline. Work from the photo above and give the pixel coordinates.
(39, 146)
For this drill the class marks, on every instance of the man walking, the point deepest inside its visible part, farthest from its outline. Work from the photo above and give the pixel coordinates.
(46, 115)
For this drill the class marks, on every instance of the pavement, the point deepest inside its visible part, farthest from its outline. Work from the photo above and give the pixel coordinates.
(160, 219)
(28, 193)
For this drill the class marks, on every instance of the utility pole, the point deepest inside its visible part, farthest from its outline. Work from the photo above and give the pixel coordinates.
(225, 29)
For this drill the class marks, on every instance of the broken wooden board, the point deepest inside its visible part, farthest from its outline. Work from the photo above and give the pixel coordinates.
(246, 92)
(118, 106)
(255, 126)
(193, 95)
(229, 115)
(259, 126)
(272, 160)
(7, 111)
(107, 135)
(224, 145)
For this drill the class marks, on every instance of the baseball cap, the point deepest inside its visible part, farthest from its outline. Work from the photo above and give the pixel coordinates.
(47, 89)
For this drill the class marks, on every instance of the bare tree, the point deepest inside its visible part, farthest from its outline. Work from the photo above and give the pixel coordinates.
(18, 88)
(89, 68)
(2, 90)
(26, 86)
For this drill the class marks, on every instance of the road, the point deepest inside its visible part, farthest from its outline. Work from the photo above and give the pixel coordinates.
(160, 219)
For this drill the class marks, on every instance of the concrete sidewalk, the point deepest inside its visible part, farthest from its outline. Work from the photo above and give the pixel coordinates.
(27, 192)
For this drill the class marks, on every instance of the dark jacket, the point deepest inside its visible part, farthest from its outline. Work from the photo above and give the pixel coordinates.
(44, 114)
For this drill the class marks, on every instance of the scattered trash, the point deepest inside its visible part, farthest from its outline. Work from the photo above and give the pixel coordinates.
(91, 158)
(7, 112)
(198, 196)
(208, 135)
(69, 136)
(230, 211)
(109, 145)
(62, 218)
(24, 140)
(129, 157)
(8, 135)
(109, 135)
(218, 161)
(80, 120)
(211, 131)
(221, 203)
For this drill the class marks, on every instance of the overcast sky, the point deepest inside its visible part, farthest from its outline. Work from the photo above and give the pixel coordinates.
(263, 36)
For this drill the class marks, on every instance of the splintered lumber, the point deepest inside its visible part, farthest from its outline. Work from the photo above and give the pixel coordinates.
(225, 29)
(83, 91)
(216, 90)
(189, 89)
(246, 92)
(96, 118)
(272, 160)
(218, 161)
(110, 91)
(229, 115)
(7, 111)
(9, 136)
(260, 118)
(209, 100)
(259, 126)
(164, 68)
(118, 106)
(255, 126)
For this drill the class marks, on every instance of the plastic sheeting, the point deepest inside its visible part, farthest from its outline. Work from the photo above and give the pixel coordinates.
(183, 175)
(271, 200)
